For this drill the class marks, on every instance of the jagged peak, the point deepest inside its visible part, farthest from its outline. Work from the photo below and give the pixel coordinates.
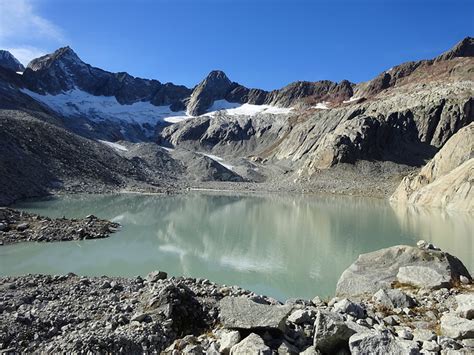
(63, 53)
(8, 61)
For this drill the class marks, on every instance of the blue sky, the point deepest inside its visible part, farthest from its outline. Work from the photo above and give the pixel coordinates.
(259, 43)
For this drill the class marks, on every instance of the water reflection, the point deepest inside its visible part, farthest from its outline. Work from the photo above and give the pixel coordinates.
(283, 246)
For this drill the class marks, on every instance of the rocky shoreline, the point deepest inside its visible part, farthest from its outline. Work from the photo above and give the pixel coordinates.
(399, 300)
(19, 226)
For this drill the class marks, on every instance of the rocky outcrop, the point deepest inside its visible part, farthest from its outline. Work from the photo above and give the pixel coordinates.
(16, 226)
(8, 61)
(446, 181)
(418, 267)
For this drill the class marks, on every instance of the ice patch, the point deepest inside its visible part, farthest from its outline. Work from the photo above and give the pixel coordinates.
(79, 103)
(115, 146)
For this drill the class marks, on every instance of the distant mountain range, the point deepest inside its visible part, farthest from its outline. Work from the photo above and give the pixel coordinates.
(221, 130)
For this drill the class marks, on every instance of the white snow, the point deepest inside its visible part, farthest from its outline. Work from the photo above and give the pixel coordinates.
(115, 146)
(234, 109)
(322, 105)
(352, 99)
(218, 160)
(19, 72)
(78, 103)
(166, 148)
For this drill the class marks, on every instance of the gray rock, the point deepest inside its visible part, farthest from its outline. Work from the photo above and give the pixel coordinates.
(456, 327)
(405, 334)
(301, 316)
(423, 277)
(227, 339)
(380, 344)
(331, 332)
(422, 335)
(156, 275)
(252, 344)
(139, 317)
(431, 346)
(242, 313)
(22, 226)
(348, 307)
(379, 269)
(3, 227)
(465, 307)
(393, 298)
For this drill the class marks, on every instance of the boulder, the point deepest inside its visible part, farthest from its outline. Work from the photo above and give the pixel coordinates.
(301, 316)
(348, 307)
(252, 344)
(381, 343)
(457, 327)
(379, 269)
(331, 332)
(227, 340)
(154, 276)
(465, 307)
(423, 277)
(393, 298)
(242, 313)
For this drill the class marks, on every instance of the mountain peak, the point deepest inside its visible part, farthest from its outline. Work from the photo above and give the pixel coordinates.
(214, 87)
(8, 61)
(464, 48)
(217, 74)
(63, 54)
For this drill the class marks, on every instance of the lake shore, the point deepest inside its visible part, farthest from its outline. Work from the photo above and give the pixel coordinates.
(70, 313)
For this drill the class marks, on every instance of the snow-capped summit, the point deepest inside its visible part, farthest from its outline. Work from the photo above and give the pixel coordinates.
(8, 61)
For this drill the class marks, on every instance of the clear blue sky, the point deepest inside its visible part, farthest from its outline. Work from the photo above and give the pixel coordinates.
(259, 43)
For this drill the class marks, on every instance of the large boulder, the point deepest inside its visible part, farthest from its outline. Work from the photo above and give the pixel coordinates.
(447, 180)
(242, 313)
(379, 269)
(375, 343)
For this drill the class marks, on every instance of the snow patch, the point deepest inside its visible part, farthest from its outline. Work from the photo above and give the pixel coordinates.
(115, 146)
(235, 109)
(79, 103)
(322, 105)
(352, 99)
(19, 72)
(218, 160)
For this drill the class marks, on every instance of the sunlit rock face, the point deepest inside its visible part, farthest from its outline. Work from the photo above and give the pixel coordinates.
(447, 180)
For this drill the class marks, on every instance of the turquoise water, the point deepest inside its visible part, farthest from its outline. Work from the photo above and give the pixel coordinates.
(281, 246)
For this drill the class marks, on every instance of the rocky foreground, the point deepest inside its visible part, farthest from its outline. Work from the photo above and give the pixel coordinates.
(19, 226)
(400, 300)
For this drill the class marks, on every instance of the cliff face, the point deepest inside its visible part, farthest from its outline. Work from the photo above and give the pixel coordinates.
(447, 180)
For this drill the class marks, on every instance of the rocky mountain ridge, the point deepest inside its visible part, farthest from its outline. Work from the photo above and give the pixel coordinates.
(306, 135)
